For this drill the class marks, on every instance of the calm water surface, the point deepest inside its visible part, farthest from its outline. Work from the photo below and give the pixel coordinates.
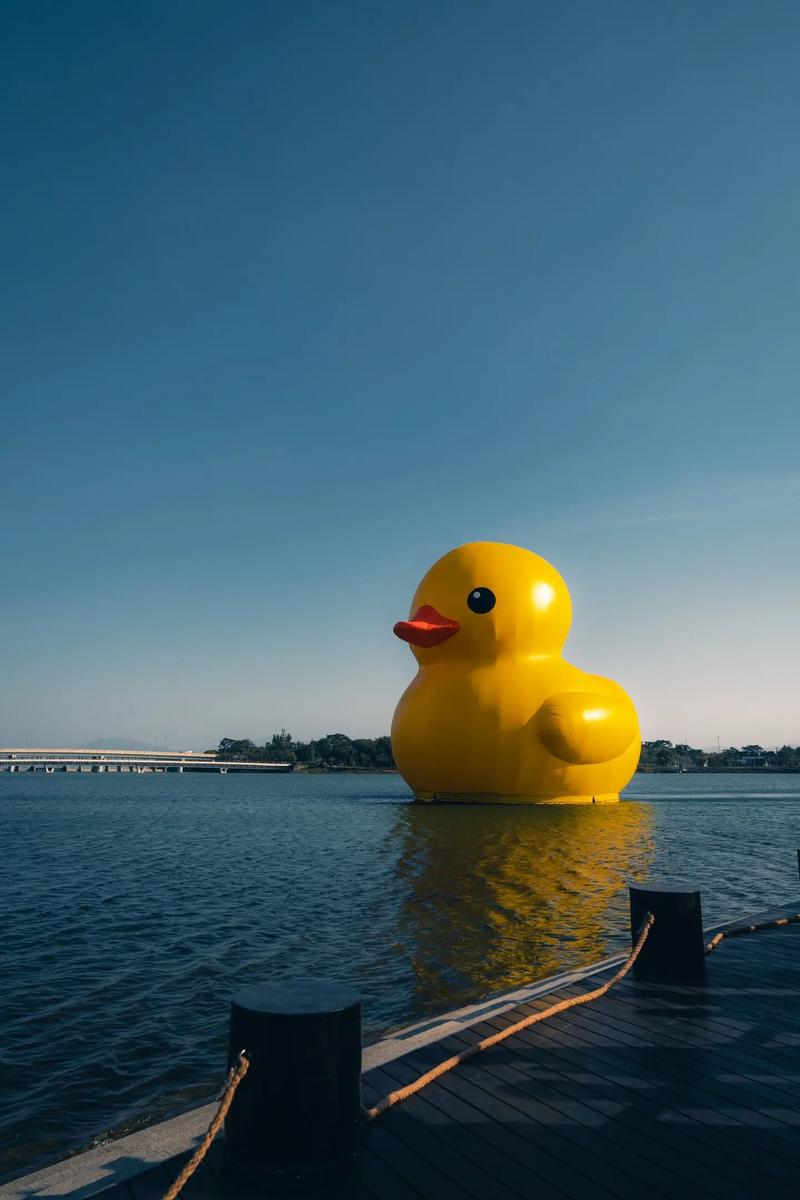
(134, 906)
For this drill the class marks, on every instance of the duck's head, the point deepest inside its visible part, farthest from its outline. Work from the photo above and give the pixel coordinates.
(487, 599)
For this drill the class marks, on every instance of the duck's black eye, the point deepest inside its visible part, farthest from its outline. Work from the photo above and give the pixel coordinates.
(481, 600)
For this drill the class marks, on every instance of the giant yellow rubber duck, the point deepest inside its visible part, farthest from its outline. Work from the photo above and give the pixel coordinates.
(495, 714)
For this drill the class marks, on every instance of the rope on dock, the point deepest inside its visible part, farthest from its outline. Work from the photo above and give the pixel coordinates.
(410, 1089)
(235, 1077)
(740, 930)
(242, 1065)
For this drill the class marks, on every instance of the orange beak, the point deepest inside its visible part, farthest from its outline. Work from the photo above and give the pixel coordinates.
(426, 628)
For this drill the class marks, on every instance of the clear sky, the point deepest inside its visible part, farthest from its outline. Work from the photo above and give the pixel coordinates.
(298, 296)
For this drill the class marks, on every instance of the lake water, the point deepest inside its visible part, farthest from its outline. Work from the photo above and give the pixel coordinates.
(134, 906)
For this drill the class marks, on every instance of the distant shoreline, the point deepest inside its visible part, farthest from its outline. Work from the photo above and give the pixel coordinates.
(718, 771)
(301, 770)
(339, 752)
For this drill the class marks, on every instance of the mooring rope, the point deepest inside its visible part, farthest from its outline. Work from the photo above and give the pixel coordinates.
(436, 1072)
(240, 1069)
(740, 930)
(235, 1077)
(242, 1065)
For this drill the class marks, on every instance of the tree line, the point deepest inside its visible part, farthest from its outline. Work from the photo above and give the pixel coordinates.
(336, 751)
(664, 756)
(333, 751)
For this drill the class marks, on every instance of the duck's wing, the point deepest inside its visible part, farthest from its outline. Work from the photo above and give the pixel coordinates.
(587, 727)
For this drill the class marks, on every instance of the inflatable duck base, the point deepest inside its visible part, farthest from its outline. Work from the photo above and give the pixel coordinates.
(488, 798)
(495, 714)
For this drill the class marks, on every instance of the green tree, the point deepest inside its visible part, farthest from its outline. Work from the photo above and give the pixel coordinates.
(383, 753)
(280, 748)
(239, 750)
(335, 750)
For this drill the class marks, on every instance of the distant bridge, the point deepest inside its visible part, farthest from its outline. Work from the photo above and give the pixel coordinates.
(139, 762)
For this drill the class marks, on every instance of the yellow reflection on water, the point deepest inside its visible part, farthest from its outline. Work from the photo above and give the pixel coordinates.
(499, 897)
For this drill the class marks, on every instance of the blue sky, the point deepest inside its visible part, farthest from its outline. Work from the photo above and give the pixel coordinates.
(299, 296)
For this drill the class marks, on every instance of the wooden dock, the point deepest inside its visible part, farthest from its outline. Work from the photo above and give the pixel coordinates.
(651, 1091)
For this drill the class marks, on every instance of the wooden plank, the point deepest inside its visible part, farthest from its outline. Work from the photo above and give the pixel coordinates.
(685, 1106)
(625, 1130)
(689, 1028)
(584, 1056)
(621, 1170)
(498, 1148)
(731, 980)
(736, 1018)
(672, 1120)
(731, 989)
(730, 986)
(691, 1032)
(682, 1077)
(417, 1132)
(421, 1175)
(653, 1030)
(751, 1099)
(766, 1083)
(380, 1181)
(559, 1161)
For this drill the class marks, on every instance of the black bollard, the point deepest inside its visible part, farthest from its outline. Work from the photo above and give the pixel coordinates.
(674, 951)
(294, 1122)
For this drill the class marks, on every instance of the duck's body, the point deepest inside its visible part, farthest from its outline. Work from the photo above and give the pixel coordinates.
(495, 714)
